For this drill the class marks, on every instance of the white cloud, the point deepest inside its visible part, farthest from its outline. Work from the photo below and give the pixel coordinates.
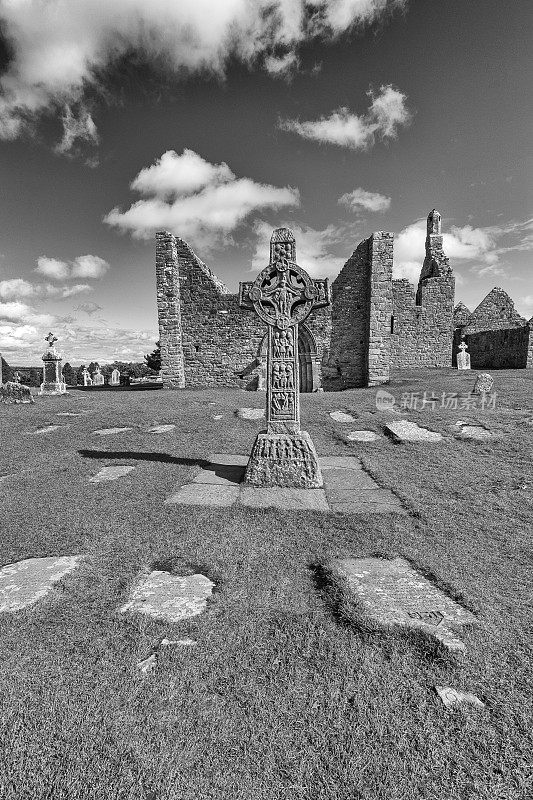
(370, 201)
(198, 201)
(76, 128)
(82, 267)
(61, 48)
(314, 248)
(78, 288)
(52, 268)
(387, 112)
(17, 287)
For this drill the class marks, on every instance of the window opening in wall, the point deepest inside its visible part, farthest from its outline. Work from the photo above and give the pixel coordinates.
(392, 323)
(197, 348)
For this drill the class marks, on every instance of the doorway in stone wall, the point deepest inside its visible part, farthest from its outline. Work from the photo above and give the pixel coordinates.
(307, 360)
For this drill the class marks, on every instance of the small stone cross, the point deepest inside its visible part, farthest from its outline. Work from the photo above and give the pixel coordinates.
(283, 295)
(51, 339)
(463, 346)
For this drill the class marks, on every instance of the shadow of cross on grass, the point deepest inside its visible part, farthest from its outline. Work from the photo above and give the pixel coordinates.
(228, 472)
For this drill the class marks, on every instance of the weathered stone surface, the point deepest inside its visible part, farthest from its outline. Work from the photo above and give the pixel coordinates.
(48, 429)
(339, 462)
(478, 432)
(406, 431)
(463, 358)
(285, 499)
(161, 429)
(204, 494)
(69, 414)
(484, 383)
(16, 393)
(341, 416)
(53, 383)
(221, 475)
(251, 413)
(287, 460)
(394, 593)
(361, 436)
(25, 582)
(111, 473)
(341, 480)
(111, 431)
(169, 597)
(451, 697)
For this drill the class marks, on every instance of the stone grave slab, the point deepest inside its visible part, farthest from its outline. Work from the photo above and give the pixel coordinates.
(111, 473)
(394, 593)
(361, 436)
(161, 429)
(452, 697)
(25, 582)
(251, 413)
(111, 431)
(221, 474)
(204, 494)
(341, 416)
(339, 480)
(406, 431)
(284, 498)
(171, 598)
(47, 429)
(478, 432)
(69, 414)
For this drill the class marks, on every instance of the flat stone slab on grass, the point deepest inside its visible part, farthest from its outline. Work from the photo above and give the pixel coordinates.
(170, 597)
(48, 429)
(251, 413)
(361, 436)
(161, 429)
(204, 494)
(25, 582)
(341, 416)
(406, 431)
(394, 593)
(286, 499)
(70, 413)
(452, 697)
(111, 473)
(477, 432)
(111, 431)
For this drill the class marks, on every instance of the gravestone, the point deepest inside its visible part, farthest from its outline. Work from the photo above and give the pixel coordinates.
(283, 295)
(341, 416)
(98, 378)
(25, 582)
(452, 697)
(463, 358)
(11, 392)
(53, 382)
(392, 592)
(406, 431)
(115, 378)
(484, 383)
(16, 377)
(87, 380)
(170, 597)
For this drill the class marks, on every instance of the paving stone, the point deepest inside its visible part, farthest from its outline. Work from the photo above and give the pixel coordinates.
(339, 462)
(286, 499)
(171, 598)
(204, 494)
(229, 459)
(48, 429)
(474, 432)
(111, 473)
(407, 431)
(394, 593)
(110, 431)
(69, 414)
(221, 474)
(452, 697)
(341, 416)
(161, 429)
(365, 501)
(25, 582)
(342, 479)
(251, 413)
(361, 436)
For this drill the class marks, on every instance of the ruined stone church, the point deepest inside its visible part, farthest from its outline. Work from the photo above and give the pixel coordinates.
(373, 324)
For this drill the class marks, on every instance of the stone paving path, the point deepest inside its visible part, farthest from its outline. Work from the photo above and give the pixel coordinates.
(348, 489)
(25, 582)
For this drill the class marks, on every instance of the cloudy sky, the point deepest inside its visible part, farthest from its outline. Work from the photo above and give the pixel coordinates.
(221, 120)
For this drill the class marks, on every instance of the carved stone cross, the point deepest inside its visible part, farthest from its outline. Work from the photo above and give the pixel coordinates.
(283, 295)
(463, 358)
(51, 339)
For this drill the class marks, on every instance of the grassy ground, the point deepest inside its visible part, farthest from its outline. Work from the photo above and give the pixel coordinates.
(281, 698)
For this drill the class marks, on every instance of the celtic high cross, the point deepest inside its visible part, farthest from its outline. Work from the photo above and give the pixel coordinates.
(283, 295)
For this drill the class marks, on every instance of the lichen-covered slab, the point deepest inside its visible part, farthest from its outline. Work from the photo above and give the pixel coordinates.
(341, 416)
(110, 431)
(452, 697)
(286, 499)
(406, 431)
(170, 597)
(111, 473)
(48, 429)
(251, 413)
(361, 436)
(25, 582)
(477, 432)
(394, 593)
(161, 428)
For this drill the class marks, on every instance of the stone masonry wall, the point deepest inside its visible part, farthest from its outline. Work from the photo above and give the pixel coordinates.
(379, 344)
(169, 311)
(423, 334)
(498, 349)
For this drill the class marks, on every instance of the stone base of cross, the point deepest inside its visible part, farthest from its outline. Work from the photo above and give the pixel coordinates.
(283, 295)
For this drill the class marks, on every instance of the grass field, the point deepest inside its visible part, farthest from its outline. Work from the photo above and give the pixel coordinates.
(281, 698)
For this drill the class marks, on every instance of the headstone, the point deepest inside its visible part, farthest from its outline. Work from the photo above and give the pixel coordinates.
(463, 358)
(394, 593)
(453, 697)
(52, 378)
(87, 380)
(115, 378)
(98, 378)
(484, 383)
(283, 295)
(170, 597)
(25, 582)
(16, 377)
(11, 392)
(406, 431)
